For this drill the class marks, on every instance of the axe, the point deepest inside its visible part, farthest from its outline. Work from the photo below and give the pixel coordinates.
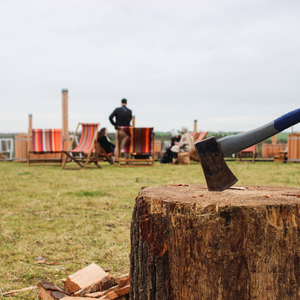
(211, 152)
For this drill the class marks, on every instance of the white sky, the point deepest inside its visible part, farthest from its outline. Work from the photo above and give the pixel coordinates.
(232, 65)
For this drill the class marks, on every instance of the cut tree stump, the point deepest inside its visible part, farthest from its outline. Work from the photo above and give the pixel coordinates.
(188, 243)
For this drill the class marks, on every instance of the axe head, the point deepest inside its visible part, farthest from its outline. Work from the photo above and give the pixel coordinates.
(217, 174)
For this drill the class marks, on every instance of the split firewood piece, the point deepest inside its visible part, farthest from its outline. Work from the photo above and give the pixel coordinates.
(123, 282)
(118, 293)
(74, 298)
(52, 287)
(51, 295)
(84, 278)
(125, 276)
(11, 293)
(101, 285)
(101, 294)
(94, 295)
(107, 282)
(50, 291)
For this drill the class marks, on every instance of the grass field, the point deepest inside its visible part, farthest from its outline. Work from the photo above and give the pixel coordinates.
(74, 218)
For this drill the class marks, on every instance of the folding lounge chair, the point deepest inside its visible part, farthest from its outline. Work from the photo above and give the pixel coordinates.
(201, 136)
(252, 150)
(103, 155)
(7, 146)
(197, 138)
(86, 147)
(140, 143)
(46, 145)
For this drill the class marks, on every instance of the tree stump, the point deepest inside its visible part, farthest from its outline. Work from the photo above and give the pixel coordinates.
(188, 243)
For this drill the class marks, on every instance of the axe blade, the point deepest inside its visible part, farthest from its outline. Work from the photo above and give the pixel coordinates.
(217, 174)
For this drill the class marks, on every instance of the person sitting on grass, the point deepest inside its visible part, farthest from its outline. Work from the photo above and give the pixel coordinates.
(186, 143)
(105, 143)
(168, 155)
(174, 141)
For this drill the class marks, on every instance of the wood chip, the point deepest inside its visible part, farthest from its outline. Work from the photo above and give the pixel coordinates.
(268, 196)
(11, 293)
(108, 269)
(74, 298)
(241, 188)
(294, 195)
(42, 261)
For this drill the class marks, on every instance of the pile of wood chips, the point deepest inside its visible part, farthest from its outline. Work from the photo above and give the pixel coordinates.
(90, 282)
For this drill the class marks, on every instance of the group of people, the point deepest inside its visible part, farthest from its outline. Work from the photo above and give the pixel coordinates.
(179, 143)
(122, 116)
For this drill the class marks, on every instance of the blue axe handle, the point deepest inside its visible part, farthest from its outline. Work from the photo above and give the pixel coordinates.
(235, 143)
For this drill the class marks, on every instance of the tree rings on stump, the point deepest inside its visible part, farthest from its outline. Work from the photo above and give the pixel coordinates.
(242, 243)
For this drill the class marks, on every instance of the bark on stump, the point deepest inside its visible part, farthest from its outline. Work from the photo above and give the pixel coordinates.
(188, 243)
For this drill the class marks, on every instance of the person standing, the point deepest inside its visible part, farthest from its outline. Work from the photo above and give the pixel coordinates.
(121, 116)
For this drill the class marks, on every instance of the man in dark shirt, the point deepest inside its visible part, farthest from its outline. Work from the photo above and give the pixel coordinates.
(122, 116)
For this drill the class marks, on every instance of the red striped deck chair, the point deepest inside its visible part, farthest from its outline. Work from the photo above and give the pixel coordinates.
(140, 146)
(250, 151)
(201, 136)
(85, 147)
(197, 138)
(46, 146)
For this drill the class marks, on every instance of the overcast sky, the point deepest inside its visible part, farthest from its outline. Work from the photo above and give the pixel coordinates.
(232, 65)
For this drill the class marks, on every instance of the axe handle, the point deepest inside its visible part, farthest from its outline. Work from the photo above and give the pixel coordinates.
(235, 143)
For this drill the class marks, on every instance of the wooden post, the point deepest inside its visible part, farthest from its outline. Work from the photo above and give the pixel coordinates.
(65, 120)
(30, 123)
(195, 126)
(65, 116)
(189, 243)
(29, 138)
(274, 139)
(133, 121)
(294, 147)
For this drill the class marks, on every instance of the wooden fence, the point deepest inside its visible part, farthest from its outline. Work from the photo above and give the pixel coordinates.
(271, 150)
(294, 147)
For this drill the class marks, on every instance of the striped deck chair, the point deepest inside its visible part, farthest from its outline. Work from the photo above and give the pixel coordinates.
(252, 150)
(45, 142)
(197, 138)
(201, 136)
(86, 147)
(140, 146)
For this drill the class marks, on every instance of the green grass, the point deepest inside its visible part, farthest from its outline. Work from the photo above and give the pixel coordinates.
(75, 218)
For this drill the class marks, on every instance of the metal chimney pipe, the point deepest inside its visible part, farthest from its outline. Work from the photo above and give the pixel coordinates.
(29, 123)
(195, 125)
